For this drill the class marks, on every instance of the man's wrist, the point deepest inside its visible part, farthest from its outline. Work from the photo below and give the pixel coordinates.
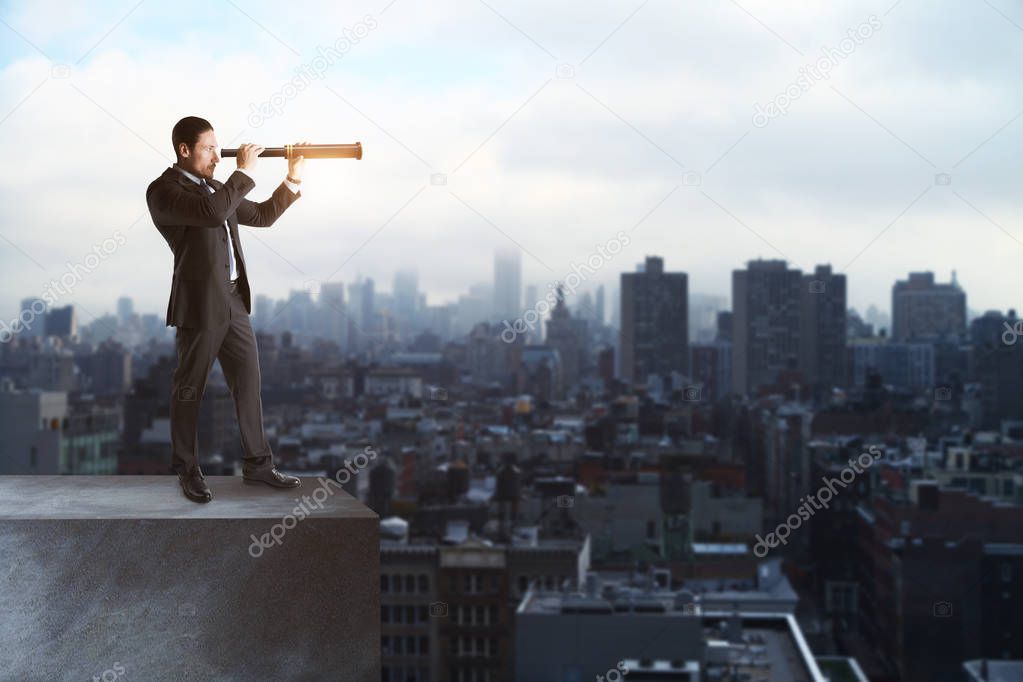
(294, 180)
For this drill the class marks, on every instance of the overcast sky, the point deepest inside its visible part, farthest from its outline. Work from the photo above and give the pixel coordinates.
(554, 126)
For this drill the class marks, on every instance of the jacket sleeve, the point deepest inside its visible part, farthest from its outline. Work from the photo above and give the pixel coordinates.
(265, 213)
(172, 205)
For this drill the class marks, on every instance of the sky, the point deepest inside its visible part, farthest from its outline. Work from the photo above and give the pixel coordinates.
(710, 132)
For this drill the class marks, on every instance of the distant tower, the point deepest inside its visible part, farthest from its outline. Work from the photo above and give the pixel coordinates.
(508, 285)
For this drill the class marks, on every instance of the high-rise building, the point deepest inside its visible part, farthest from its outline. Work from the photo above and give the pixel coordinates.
(406, 300)
(765, 323)
(62, 322)
(507, 285)
(822, 334)
(568, 335)
(923, 310)
(34, 310)
(332, 309)
(654, 337)
(125, 309)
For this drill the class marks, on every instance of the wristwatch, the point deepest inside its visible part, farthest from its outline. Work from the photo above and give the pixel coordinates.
(291, 179)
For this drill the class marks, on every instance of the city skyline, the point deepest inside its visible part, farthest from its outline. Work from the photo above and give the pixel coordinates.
(525, 136)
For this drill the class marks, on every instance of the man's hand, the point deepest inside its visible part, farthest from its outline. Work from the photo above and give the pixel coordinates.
(247, 154)
(296, 164)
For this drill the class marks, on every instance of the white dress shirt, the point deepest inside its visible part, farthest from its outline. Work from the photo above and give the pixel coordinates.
(230, 242)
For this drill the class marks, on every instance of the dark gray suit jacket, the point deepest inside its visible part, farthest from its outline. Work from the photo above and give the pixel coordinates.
(191, 219)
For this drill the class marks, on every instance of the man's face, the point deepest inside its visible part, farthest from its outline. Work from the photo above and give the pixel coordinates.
(202, 157)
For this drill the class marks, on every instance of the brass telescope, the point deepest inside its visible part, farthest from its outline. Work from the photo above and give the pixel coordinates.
(309, 151)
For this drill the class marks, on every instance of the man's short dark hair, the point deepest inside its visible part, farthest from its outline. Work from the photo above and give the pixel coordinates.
(188, 130)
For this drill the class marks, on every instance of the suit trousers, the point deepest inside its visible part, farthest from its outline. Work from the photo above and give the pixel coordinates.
(234, 344)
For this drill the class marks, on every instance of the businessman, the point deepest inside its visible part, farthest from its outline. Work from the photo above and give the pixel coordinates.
(210, 299)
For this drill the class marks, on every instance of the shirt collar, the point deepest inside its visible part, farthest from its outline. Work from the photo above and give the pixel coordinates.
(188, 175)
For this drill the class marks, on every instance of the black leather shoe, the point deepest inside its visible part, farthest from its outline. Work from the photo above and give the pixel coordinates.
(194, 486)
(272, 477)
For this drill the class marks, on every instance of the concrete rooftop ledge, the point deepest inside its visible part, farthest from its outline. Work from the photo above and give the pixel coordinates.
(121, 577)
(160, 497)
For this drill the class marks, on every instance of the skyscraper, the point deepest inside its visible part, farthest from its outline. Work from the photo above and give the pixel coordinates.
(507, 285)
(923, 310)
(822, 352)
(765, 323)
(654, 337)
(125, 308)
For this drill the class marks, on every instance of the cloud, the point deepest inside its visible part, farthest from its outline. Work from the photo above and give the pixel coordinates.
(554, 164)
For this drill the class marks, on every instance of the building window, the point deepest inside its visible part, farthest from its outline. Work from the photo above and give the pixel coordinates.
(424, 646)
(384, 582)
(424, 583)
(396, 581)
(385, 645)
(385, 613)
(410, 615)
(410, 583)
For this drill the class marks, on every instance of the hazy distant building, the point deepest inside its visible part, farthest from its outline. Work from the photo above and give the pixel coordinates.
(703, 314)
(923, 310)
(61, 322)
(568, 335)
(654, 337)
(474, 307)
(125, 309)
(333, 315)
(765, 323)
(406, 301)
(35, 310)
(822, 352)
(507, 285)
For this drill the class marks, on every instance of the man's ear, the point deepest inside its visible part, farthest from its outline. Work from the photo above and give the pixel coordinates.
(183, 150)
